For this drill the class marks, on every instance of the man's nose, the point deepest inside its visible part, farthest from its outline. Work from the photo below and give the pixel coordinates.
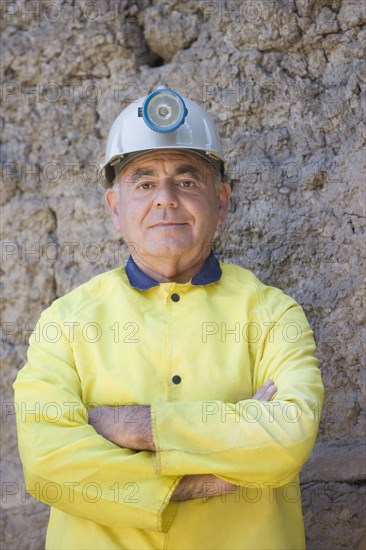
(166, 195)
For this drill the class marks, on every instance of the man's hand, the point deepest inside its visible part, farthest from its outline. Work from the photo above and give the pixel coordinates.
(128, 426)
(208, 485)
(202, 486)
(266, 392)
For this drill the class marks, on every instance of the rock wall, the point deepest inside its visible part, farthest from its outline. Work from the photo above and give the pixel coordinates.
(285, 81)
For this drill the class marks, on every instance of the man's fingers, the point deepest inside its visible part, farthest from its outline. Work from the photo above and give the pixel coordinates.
(266, 392)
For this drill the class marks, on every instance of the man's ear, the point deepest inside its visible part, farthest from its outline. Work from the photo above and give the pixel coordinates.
(223, 200)
(111, 198)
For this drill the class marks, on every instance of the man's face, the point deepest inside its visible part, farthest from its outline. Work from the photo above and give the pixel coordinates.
(168, 205)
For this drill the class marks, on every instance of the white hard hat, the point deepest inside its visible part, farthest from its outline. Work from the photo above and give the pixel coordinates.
(161, 120)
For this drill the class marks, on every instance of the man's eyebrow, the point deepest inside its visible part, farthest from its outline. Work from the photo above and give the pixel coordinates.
(187, 169)
(140, 172)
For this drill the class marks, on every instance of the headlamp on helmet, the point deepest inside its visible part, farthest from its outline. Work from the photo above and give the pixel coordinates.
(163, 110)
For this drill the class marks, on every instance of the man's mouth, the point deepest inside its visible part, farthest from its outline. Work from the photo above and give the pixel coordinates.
(168, 224)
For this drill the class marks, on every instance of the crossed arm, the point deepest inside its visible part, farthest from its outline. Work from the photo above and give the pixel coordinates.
(129, 427)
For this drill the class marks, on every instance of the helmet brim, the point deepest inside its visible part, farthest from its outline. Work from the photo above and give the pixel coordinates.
(109, 172)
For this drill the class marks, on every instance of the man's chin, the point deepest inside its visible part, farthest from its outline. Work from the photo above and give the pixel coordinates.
(169, 249)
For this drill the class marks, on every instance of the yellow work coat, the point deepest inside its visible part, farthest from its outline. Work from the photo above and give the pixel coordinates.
(196, 353)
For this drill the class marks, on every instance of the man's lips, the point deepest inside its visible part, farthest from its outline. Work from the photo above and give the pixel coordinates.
(168, 224)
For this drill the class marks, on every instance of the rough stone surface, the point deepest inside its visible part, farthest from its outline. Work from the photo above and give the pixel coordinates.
(333, 515)
(285, 81)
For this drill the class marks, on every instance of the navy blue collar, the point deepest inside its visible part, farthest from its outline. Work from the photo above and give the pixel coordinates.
(210, 272)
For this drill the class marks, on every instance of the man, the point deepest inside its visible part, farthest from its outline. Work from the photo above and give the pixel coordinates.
(152, 386)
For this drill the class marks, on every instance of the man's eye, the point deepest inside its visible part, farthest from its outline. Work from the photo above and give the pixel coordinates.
(187, 183)
(145, 185)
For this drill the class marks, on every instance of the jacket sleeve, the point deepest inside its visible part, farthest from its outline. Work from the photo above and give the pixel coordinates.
(250, 441)
(66, 463)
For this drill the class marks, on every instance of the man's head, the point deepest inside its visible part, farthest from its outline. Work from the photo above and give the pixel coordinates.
(165, 175)
(168, 203)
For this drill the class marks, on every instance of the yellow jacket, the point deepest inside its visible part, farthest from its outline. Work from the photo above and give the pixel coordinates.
(197, 353)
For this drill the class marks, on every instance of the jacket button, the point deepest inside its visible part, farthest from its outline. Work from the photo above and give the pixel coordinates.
(175, 297)
(176, 379)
